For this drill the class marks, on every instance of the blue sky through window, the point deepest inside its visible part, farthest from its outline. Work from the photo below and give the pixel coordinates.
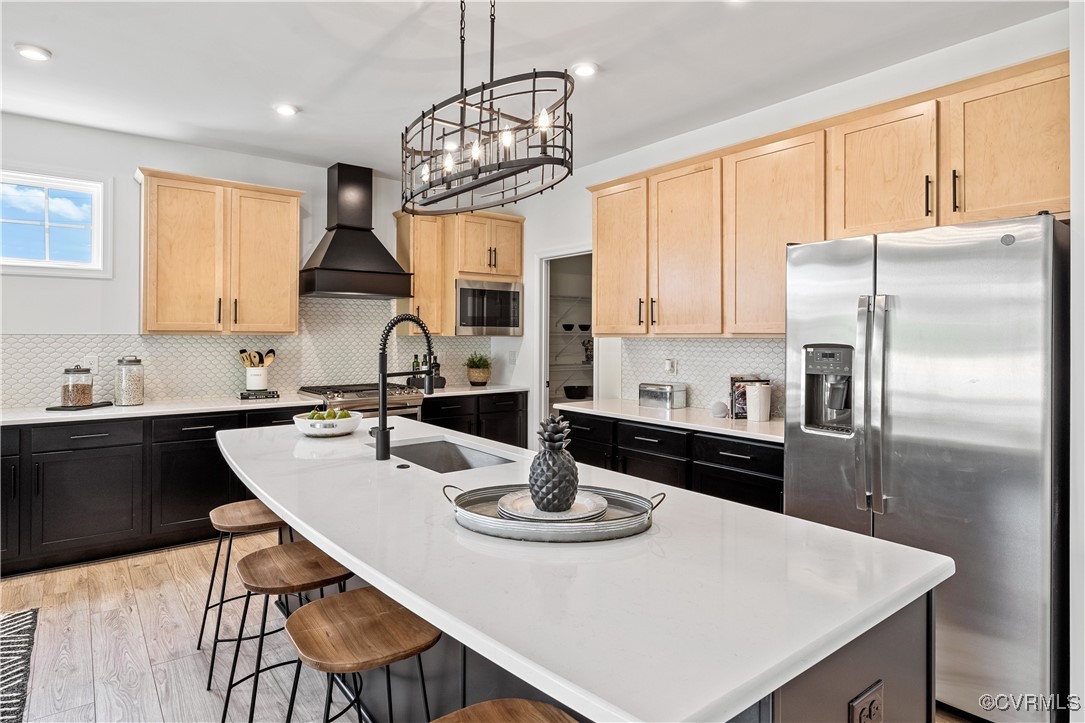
(46, 223)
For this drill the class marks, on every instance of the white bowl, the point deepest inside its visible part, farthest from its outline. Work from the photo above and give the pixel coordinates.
(327, 427)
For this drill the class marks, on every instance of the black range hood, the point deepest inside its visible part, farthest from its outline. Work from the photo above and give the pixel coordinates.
(350, 261)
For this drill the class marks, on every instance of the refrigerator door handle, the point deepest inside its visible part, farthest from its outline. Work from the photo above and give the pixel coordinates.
(877, 397)
(858, 395)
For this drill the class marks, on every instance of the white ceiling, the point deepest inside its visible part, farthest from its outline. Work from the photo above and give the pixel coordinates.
(208, 73)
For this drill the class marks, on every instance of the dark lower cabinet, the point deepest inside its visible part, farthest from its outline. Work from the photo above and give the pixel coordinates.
(507, 427)
(748, 488)
(592, 454)
(660, 468)
(500, 417)
(87, 497)
(465, 424)
(188, 480)
(9, 504)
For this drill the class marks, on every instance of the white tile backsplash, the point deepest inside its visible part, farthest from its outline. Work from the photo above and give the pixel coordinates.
(337, 342)
(706, 365)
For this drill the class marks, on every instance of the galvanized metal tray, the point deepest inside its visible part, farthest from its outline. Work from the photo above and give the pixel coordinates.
(627, 514)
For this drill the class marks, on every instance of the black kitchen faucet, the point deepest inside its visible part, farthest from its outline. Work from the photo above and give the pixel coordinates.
(382, 432)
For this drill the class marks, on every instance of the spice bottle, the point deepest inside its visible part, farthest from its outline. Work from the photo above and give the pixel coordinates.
(77, 387)
(128, 382)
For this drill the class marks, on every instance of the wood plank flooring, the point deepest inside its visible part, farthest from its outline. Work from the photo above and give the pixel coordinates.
(116, 641)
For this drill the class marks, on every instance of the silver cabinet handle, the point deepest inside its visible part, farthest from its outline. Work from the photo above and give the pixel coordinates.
(89, 436)
(736, 454)
(193, 429)
(646, 439)
(877, 395)
(282, 421)
(858, 396)
(577, 426)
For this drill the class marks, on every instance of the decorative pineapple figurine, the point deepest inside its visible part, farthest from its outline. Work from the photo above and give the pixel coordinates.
(553, 479)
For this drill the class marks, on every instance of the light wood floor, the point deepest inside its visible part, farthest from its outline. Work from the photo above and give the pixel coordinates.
(116, 641)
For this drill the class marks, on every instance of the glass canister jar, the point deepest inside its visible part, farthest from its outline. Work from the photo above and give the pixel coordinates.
(128, 382)
(77, 387)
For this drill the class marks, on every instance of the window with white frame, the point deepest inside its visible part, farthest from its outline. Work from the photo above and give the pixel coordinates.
(50, 225)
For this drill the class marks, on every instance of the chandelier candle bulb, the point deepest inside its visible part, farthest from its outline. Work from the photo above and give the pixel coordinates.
(544, 127)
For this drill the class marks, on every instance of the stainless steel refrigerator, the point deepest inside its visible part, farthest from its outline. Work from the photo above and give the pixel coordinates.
(927, 404)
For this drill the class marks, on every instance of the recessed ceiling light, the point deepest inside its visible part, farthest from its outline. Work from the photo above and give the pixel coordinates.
(33, 52)
(287, 109)
(585, 69)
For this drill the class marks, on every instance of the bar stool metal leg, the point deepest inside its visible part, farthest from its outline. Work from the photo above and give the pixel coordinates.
(218, 611)
(210, 588)
(388, 685)
(328, 700)
(356, 678)
(463, 675)
(293, 693)
(422, 682)
(259, 657)
(237, 650)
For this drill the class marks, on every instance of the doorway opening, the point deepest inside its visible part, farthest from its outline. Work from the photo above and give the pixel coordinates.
(570, 357)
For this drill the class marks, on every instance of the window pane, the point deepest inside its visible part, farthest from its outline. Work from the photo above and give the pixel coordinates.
(69, 244)
(22, 241)
(69, 207)
(22, 203)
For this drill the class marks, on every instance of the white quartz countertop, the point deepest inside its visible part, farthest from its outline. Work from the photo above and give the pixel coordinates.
(713, 608)
(695, 418)
(153, 408)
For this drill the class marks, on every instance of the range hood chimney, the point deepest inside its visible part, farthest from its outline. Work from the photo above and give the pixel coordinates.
(350, 261)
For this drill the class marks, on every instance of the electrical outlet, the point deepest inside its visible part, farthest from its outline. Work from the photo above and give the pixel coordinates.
(670, 366)
(513, 355)
(90, 361)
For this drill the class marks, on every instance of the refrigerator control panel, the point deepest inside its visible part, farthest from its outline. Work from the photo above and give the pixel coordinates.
(821, 360)
(827, 395)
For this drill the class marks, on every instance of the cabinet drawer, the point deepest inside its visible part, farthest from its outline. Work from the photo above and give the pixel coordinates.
(742, 454)
(660, 468)
(58, 437)
(508, 402)
(589, 427)
(653, 439)
(9, 441)
(748, 488)
(276, 416)
(435, 408)
(181, 429)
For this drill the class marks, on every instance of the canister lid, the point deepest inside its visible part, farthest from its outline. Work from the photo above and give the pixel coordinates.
(77, 370)
(129, 360)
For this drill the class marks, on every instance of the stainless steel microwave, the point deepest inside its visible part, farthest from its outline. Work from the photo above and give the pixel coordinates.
(489, 308)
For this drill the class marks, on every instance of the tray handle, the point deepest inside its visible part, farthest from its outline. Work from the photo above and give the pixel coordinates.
(662, 496)
(444, 491)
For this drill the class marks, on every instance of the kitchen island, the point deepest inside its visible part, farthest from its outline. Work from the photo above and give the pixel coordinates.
(713, 609)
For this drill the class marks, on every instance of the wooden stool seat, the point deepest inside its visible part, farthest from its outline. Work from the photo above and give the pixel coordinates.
(246, 516)
(508, 710)
(289, 568)
(358, 630)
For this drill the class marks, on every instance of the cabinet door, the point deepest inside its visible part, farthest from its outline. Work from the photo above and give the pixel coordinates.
(883, 172)
(773, 195)
(475, 244)
(592, 454)
(429, 277)
(263, 262)
(9, 503)
(188, 480)
(464, 423)
(748, 488)
(85, 498)
(508, 243)
(686, 249)
(507, 427)
(656, 467)
(620, 259)
(1007, 149)
(184, 253)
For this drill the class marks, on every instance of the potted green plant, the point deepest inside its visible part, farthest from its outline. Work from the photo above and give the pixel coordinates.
(478, 369)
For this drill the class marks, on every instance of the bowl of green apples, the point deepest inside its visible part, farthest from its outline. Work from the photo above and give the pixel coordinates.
(330, 423)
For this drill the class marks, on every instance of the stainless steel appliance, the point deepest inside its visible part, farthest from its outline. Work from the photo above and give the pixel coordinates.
(927, 405)
(403, 401)
(489, 308)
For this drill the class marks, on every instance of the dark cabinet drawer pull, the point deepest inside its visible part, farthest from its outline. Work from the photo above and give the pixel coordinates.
(193, 429)
(646, 439)
(735, 454)
(89, 436)
(37, 478)
(585, 429)
(283, 421)
(14, 481)
(503, 404)
(453, 406)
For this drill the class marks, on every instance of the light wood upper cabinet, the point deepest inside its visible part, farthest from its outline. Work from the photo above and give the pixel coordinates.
(213, 249)
(421, 250)
(263, 262)
(508, 243)
(773, 195)
(685, 249)
(1006, 148)
(883, 172)
(620, 259)
(475, 247)
(184, 256)
(489, 244)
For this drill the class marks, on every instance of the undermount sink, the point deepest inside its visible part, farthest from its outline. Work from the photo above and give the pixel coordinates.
(442, 457)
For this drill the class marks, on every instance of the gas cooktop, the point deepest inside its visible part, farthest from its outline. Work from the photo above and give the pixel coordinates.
(363, 396)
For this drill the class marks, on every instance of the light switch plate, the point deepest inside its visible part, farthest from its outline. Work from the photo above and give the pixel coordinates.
(868, 706)
(670, 366)
(90, 361)
(513, 355)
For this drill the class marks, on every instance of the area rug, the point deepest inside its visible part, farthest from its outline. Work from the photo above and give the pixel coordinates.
(16, 644)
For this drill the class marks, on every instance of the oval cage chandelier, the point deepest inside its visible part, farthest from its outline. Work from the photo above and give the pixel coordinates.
(490, 145)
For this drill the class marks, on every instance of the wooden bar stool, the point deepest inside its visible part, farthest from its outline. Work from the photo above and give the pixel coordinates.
(508, 710)
(353, 632)
(294, 567)
(231, 519)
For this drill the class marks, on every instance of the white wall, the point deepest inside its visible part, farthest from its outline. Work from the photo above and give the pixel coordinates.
(43, 305)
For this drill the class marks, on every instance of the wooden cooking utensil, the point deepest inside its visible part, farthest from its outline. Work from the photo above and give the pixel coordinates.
(245, 358)
(269, 357)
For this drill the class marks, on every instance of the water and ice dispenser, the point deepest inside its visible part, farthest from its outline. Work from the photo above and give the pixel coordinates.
(827, 401)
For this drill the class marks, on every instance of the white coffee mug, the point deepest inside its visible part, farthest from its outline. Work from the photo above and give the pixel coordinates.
(758, 402)
(256, 379)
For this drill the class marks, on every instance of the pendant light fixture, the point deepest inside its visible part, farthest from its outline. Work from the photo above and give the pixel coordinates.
(490, 145)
